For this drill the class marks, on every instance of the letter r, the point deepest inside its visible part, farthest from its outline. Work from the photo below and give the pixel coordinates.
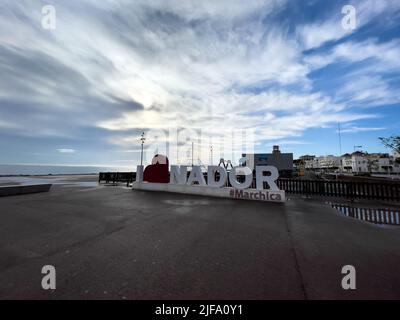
(269, 179)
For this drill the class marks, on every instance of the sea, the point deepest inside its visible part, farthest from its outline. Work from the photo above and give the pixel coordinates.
(23, 169)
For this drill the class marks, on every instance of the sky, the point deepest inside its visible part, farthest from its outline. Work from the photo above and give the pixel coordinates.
(218, 74)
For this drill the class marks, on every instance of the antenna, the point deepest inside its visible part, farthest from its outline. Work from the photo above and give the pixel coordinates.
(142, 140)
(177, 145)
(192, 153)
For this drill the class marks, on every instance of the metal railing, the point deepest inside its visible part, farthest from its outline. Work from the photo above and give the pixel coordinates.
(346, 189)
(372, 215)
(331, 188)
(115, 177)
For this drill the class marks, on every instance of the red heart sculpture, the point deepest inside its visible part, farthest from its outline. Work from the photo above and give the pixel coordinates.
(157, 172)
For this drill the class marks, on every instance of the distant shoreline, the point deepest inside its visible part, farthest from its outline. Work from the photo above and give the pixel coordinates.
(46, 175)
(19, 170)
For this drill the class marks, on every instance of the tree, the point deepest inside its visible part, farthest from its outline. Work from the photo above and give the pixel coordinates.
(392, 142)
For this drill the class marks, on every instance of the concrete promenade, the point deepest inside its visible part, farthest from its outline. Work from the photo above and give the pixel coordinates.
(115, 243)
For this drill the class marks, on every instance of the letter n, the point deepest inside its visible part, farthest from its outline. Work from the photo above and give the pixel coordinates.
(178, 174)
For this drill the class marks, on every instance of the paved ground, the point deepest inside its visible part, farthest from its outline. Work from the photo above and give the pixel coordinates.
(112, 242)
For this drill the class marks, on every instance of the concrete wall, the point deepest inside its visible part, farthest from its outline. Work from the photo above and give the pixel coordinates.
(226, 192)
(17, 190)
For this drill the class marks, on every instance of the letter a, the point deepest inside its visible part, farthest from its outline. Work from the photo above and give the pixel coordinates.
(349, 280)
(49, 280)
(49, 17)
(349, 21)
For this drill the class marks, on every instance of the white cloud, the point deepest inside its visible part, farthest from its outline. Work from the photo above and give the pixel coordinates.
(316, 34)
(66, 150)
(366, 90)
(355, 129)
(368, 85)
(288, 142)
(191, 64)
(385, 54)
(329, 28)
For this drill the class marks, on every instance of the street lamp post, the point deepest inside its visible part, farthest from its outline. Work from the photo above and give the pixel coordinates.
(142, 139)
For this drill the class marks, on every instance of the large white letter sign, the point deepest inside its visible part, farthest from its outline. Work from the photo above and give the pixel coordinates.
(247, 173)
(212, 170)
(178, 175)
(260, 178)
(157, 177)
(196, 176)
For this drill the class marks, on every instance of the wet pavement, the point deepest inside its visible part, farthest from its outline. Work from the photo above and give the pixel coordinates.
(115, 243)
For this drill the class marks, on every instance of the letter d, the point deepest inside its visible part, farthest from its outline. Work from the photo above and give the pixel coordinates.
(212, 170)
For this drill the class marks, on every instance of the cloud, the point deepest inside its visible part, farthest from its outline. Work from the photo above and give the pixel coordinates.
(383, 54)
(329, 28)
(371, 67)
(365, 90)
(316, 34)
(356, 129)
(66, 150)
(288, 142)
(56, 99)
(112, 69)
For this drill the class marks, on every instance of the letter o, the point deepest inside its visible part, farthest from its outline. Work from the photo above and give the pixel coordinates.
(233, 179)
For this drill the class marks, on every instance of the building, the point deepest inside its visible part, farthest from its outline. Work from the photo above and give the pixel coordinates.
(307, 158)
(395, 163)
(357, 162)
(323, 163)
(379, 163)
(330, 163)
(282, 161)
(347, 163)
(360, 162)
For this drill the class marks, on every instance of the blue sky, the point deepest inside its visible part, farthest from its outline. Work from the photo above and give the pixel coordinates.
(286, 71)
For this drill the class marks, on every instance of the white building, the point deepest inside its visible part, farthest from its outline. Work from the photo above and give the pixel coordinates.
(359, 162)
(380, 164)
(395, 166)
(324, 163)
(356, 162)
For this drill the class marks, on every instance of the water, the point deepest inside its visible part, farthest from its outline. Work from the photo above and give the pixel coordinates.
(6, 169)
(382, 216)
